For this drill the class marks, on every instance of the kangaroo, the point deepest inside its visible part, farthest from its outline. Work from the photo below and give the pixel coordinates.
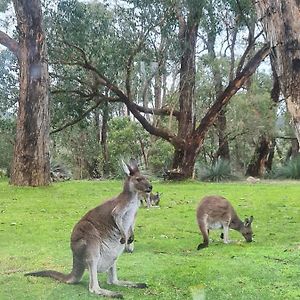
(150, 199)
(99, 237)
(216, 212)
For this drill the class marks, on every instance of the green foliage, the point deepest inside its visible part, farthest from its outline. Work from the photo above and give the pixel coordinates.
(160, 156)
(289, 171)
(36, 226)
(8, 83)
(219, 171)
(7, 132)
(4, 5)
(78, 149)
(126, 140)
(59, 172)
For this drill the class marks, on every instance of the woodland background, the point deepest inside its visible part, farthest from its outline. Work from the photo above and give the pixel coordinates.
(186, 87)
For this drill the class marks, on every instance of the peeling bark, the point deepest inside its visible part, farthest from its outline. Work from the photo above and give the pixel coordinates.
(281, 24)
(31, 162)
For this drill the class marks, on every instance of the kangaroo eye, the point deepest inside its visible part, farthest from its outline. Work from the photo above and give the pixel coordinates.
(139, 179)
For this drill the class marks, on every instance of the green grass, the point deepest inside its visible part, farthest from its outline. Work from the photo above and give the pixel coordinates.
(35, 227)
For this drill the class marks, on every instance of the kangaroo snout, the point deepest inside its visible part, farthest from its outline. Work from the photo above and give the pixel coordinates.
(149, 189)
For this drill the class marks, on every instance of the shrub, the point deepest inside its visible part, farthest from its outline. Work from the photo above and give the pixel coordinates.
(219, 171)
(59, 172)
(160, 156)
(289, 171)
(3, 173)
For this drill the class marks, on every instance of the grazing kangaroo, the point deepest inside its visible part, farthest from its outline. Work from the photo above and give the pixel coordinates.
(99, 237)
(216, 212)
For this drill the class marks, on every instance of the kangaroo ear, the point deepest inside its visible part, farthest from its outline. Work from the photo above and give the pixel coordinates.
(248, 222)
(125, 168)
(133, 166)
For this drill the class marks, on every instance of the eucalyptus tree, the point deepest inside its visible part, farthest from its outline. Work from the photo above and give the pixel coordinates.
(107, 67)
(31, 163)
(280, 19)
(221, 26)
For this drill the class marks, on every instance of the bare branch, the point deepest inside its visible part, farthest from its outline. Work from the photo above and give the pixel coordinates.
(81, 117)
(166, 111)
(246, 52)
(80, 50)
(9, 43)
(133, 54)
(122, 97)
(231, 90)
(77, 92)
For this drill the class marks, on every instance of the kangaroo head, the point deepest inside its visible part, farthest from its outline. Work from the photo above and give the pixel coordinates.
(155, 198)
(136, 182)
(246, 230)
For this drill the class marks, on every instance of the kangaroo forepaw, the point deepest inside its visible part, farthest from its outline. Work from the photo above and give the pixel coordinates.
(201, 246)
(130, 240)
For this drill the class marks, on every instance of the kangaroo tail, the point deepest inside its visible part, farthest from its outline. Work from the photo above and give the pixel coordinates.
(74, 277)
(53, 274)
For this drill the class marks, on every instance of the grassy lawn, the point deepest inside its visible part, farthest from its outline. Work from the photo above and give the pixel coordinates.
(35, 227)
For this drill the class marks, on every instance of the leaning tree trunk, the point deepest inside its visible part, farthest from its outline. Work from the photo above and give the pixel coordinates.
(31, 163)
(281, 24)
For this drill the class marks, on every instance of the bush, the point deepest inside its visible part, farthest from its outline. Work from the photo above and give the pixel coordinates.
(59, 172)
(160, 156)
(219, 171)
(127, 139)
(3, 173)
(290, 171)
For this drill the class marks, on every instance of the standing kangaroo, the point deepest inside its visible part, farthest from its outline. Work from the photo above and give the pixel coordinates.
(99, 237)
(216, 212)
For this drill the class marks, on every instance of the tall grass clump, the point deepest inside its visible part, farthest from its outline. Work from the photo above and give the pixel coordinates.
(219, 171)
(289, 171)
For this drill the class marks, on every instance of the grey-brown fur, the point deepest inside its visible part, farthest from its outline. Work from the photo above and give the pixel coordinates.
(150, 199)
(216, 212)
(99, 237)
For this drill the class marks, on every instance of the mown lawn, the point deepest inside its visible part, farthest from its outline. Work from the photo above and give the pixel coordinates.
(35, 226)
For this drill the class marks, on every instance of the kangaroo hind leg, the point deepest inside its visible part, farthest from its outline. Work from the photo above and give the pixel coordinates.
(92, 261)
(113, 279)
(205, 232)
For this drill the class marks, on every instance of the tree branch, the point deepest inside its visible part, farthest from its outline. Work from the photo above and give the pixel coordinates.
(251, 42)
(166, 111)
(122, 97)
(81, 117)
(9, 43)
(230, 91)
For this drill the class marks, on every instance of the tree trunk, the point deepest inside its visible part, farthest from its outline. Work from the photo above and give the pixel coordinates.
(103, 142)
(281, 24)
(188, 39)
(259, 160)
(270, 159)
(31, 162)
(184, 162)
(223, 150)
